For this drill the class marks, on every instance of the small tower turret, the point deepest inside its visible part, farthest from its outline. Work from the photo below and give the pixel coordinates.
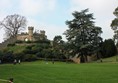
(42, 32)
(30, 30)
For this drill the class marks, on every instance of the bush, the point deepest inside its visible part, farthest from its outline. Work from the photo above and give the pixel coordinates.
(1, 54)
(19, 41)
(39, 54)
(8, 57)
(108, 48)
(11, 44)
(19, 55)
(29, 57)
(28, 42)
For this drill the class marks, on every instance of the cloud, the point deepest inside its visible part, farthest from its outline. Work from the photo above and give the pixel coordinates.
(51, 29)
(4, 5)
(35, 7)
(54, 30)
(98, 7)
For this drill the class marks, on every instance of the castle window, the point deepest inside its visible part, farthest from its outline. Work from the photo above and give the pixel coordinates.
(26, 39)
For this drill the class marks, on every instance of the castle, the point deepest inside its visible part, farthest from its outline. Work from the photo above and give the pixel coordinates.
(28, 36)
(31, 35)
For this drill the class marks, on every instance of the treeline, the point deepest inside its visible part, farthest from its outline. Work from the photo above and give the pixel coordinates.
(55, 50)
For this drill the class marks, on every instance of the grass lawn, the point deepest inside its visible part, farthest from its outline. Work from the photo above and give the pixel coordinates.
(60, 72)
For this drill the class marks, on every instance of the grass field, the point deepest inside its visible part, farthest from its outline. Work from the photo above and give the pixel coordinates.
(60, 72)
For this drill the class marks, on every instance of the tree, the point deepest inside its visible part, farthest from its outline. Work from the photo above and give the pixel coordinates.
(82, 35)
(58, 47)
(57, 40)
(13, 24)
(114, 25)
(108, 48)
(1, 54)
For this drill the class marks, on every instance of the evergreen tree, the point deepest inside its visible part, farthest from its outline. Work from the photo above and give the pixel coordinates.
(108, 48)
(114, 25)
(83, 36)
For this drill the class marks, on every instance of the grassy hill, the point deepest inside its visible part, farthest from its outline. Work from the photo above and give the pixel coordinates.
(60, 72)
(16, 48)
(111, 59)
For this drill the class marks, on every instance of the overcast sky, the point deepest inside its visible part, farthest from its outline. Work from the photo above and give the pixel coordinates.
(50, 15)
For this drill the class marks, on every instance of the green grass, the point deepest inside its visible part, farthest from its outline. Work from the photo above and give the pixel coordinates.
(111, 59)
(60, 72)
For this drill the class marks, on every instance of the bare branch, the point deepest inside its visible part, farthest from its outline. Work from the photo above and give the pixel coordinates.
(13, 24)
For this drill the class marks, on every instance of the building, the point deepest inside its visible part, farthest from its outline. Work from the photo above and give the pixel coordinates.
(31, 35)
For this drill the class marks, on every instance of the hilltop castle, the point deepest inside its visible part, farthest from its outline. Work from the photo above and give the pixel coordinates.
(27, 36)
(31, 35)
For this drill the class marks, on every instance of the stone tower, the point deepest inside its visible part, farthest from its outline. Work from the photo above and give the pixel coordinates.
(30, 32)
(42, 32)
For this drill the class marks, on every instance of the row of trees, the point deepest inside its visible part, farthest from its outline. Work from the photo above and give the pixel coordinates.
(56, 50)
(83, 38)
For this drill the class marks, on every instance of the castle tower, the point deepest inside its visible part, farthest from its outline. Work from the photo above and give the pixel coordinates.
(42, 32)
(42, 35)
(30, 32)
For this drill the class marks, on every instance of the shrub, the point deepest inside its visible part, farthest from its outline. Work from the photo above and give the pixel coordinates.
(11, 44)
(8, 57)
(29, 57)
(19, 41)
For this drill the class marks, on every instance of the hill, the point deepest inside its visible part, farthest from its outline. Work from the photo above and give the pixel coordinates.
(111, 59)
(16, 48)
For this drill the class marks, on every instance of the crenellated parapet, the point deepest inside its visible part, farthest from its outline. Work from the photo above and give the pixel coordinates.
(31, 35)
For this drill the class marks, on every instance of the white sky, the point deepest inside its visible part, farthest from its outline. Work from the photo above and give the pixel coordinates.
(50, 15)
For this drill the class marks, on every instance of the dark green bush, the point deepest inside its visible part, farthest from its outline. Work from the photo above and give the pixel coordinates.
(19, 41)
(11, 44)
(30, 57)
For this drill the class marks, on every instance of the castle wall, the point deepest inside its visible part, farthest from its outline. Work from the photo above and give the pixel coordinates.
(25, 38)
(30, 36)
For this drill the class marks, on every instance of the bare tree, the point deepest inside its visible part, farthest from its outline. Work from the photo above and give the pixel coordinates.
(13, 24)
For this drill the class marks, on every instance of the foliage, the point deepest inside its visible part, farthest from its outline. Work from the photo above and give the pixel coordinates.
(83, 36)
(108, 48)
(42, 41)
(58, 47)
(8, 57)
(13, 24)
(19, 56)
(114, 25)
(11, 44)
(19, 41)
(1, 55)
(29, 57)
(16, 48)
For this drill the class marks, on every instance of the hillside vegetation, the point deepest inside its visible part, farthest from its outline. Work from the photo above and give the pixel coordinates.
(17, 48)
(111, 59)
